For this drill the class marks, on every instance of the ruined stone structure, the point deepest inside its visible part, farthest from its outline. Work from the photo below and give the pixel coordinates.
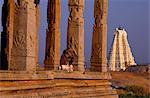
(75, 35)
(99, 40)
(120, 54)
(24, 48)
(21, 52)
(52, 52)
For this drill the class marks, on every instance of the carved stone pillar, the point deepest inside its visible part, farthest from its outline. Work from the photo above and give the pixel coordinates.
(52, 52)
(24, 38)
(99, 40)
(75, 35)
(37, 27)
(7, 34)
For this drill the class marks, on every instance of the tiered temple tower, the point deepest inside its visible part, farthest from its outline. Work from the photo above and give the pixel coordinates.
(99, 38)
(52, 52)
(120, 54)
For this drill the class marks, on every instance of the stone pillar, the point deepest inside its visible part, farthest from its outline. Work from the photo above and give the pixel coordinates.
(52, 52)
(24, 37)
(37, 27)
(7, 34)
(99, 40)
(75, 34)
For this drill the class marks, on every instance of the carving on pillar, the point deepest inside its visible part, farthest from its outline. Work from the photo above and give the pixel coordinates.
(99, 40)
(52, 51)
(19, 40)
(75, 35)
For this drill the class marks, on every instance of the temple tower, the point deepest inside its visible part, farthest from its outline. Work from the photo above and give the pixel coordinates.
(99, 38)
(120, 54)
(52, 52)
(24, 49)
(7, 34)
(75, 35)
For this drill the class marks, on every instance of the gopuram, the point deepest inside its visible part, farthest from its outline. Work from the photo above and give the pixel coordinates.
(19, 73)
(120, 54)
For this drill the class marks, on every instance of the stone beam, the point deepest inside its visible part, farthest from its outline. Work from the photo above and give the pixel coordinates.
(99, 40)
(52, 52)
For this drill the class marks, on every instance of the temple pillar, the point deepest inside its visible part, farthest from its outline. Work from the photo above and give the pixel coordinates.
(24, 49)
(99, 38)
(37, 27)
(75, 35)
(7, 34)
(52, 52)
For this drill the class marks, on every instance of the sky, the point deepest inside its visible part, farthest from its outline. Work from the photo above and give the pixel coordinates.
(132, 15)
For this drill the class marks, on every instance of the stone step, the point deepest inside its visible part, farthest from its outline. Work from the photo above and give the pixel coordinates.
(57, 88)
(48, 75)
(22, 85)
(63, 92)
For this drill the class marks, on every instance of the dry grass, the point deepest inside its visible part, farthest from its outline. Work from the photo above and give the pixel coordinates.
(124, 79)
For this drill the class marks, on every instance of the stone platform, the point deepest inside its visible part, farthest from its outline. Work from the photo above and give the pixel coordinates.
(57, 88)
(55, 84)
(25, 75)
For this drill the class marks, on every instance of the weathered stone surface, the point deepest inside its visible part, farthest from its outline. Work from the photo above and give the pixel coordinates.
(37, 27)
(75, 35)
(25, 75)
(58, 89)
(120, 54)
(46, 75)
(7, 34)
(79, 75)
(99, 39)
(52, 52)
(24, 49)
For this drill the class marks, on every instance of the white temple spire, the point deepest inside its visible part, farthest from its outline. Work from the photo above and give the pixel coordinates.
(120, 54)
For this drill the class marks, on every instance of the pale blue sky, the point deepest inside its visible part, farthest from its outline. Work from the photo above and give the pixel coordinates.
(133, 15)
